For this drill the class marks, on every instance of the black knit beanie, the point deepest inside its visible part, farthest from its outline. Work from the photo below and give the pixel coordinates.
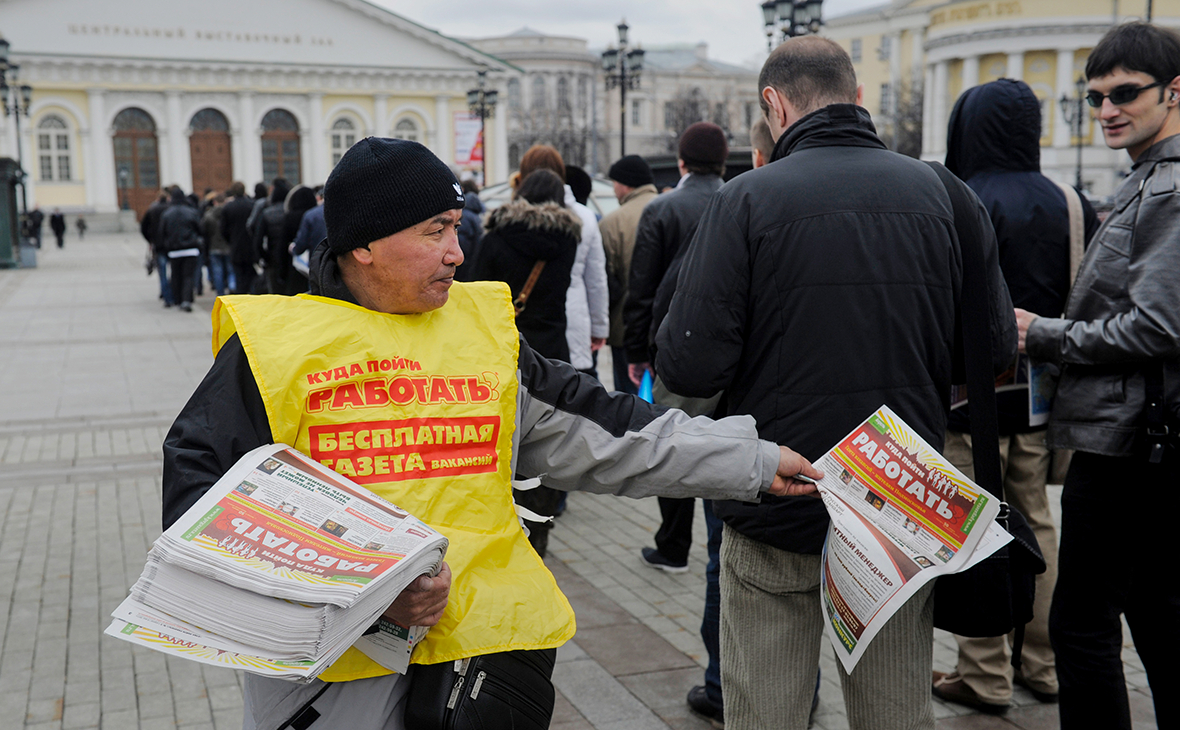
(382, 186)
(632, 171)
(704, 143)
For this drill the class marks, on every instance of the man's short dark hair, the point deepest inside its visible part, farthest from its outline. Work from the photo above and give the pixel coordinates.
(705, 168)
(1141, 47)
(811, 72)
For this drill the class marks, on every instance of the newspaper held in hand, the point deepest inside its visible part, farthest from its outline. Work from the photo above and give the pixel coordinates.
(901, 515)
(278, 569)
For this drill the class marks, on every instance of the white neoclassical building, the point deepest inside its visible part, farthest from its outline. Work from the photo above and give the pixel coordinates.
(915, 57)
(133, 95)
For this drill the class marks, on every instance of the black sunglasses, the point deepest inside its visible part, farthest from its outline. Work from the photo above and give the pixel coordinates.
(1121, 95)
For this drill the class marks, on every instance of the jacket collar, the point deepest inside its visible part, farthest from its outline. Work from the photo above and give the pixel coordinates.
(1166, 149)
(636, 192)
(837, 125)
(324, 275)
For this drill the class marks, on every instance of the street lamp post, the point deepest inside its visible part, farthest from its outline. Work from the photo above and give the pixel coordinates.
(1074, 112)
(482, 102)
(124, 173)
(16, 101)
(623, 67)
(791, 17)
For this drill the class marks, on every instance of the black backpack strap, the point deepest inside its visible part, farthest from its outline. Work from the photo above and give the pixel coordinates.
(976, 338)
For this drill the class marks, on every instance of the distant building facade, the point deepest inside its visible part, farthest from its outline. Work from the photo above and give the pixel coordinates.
(139, 94)
(915, 57)
(560, 98)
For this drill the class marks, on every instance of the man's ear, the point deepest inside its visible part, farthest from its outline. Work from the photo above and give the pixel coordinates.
(776, 114)
(362, 256)
(860, 94)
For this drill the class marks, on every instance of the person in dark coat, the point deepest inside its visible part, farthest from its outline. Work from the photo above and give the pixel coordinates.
(993, 144)
(57, 224)
(269, 246)
(149, 227)
(299, 201)
(535, 227)
(816, 289)
(241, 246)
(180, 236)
(36, 220)
(261, 200)
(471, 228)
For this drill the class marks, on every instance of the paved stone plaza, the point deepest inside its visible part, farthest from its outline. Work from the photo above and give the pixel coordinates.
(93, 370)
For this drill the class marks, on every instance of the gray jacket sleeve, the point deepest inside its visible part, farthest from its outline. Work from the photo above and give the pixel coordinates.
(575, 435)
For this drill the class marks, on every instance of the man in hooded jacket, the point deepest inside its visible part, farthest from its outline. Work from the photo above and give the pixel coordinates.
(993, 144)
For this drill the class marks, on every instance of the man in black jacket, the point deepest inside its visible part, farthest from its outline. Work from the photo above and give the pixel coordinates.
(816, 289)
(233, 229)
(993, 145)
(180, 235)
(149, 227)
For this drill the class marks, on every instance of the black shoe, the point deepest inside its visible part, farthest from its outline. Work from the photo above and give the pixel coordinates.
(1041, 695)
(652, 558)
(699, 702)
(952, 688)
(186, 307)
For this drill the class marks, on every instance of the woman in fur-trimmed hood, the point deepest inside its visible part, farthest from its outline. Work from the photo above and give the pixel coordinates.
(535, 226)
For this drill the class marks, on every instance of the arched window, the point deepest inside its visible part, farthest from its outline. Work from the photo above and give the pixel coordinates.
(343, 137)
(280, 146)
(210, 152)
(563, 93)
(53, 149)
(406, 129)
(137, 169)
(538, 92)
(514, 93)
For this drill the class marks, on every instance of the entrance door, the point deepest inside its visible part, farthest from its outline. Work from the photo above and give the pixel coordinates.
(137, 166)
(209, 149)
(280, 146)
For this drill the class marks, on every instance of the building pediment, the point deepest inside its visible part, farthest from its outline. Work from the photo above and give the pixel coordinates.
(348, 33)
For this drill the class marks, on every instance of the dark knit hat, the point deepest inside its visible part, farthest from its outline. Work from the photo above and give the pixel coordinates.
(382, 186)
(704, 143)
(632, 171)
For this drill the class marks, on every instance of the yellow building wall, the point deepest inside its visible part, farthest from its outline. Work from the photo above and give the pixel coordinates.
(60, 195)
(1040, 73)
(80, 102)
(954, 82)
(992, 66)
(365, 103)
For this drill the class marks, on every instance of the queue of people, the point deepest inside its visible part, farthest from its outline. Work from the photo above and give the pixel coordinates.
(774, 311)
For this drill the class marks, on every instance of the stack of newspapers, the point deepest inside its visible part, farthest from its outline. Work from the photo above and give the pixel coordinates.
(278, 569)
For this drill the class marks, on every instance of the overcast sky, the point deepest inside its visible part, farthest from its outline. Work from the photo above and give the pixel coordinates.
(733, 30)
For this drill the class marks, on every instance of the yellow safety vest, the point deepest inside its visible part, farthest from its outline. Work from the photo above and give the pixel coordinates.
(420, 409)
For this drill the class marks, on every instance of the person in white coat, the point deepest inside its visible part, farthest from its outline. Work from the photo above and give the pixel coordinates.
(587, 307)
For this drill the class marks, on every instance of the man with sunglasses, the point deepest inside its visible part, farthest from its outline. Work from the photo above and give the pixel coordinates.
(1118, 347)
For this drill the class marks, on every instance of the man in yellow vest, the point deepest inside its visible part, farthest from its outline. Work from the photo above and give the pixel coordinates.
(422, 390)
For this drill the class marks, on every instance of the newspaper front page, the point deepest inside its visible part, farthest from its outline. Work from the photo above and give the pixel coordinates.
(288, 542)
(901, 515)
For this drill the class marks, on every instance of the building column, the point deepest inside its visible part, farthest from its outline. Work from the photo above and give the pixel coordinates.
(1062, 135)
(251, 142)
(445, 139)
(918, 68)
(939, 110)
(180, 170)
(380, 116)
(86, 154)
(106, 197)
(1016, 65)
(319, 140)
(237, 155)
(970, 73)
(928, 111)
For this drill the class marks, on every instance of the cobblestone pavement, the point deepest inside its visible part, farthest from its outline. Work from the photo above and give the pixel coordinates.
(93, 371)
